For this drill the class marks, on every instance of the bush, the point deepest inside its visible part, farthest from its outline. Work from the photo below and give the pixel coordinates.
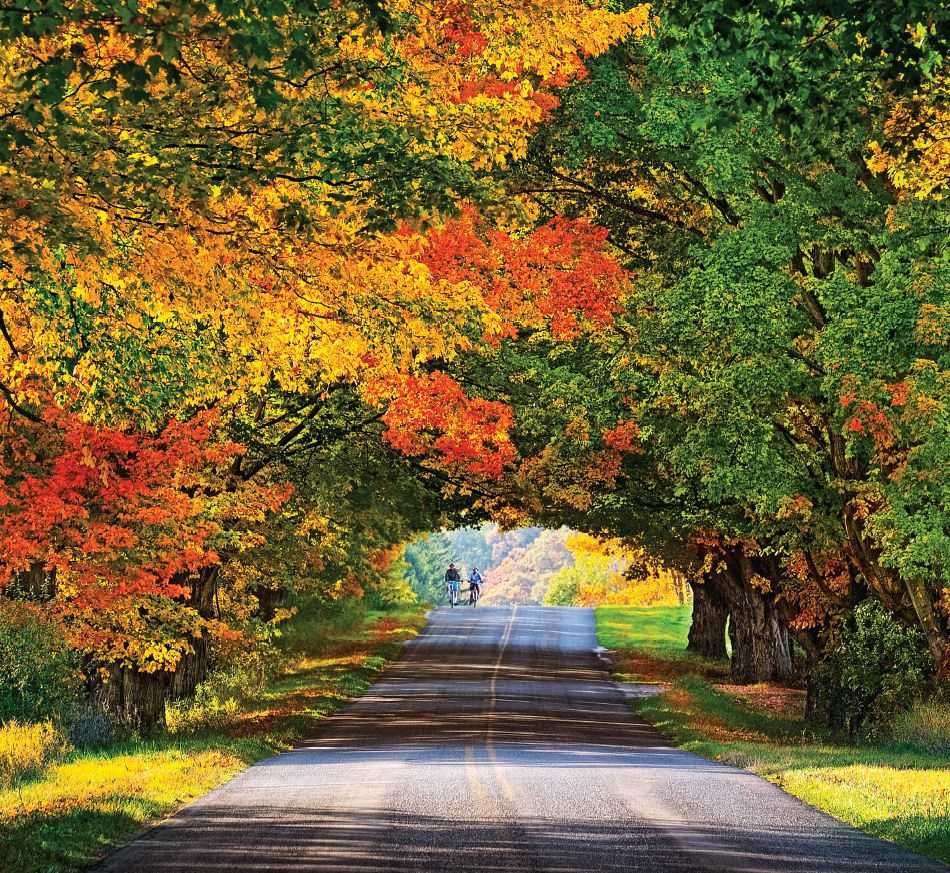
(926, 726)
(90, 727)
(39, 679)
(240, 675)
(877, 670)
(208, 710)
(27, 750)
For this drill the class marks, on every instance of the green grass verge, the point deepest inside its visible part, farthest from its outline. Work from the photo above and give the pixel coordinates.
(657, 628)
(97, 799)
(649, 643)
(897, 793)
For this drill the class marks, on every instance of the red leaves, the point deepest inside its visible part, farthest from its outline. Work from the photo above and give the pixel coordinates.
(432, 414)
(870, 419)
(460, 31)
(559, 274)
(624, 437)
(116, 513)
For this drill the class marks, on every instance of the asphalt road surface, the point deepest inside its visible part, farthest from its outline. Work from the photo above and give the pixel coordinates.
(496, 744)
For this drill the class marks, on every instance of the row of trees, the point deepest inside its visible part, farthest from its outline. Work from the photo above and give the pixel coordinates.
(281, 285)
(772, 178)
(219, 333)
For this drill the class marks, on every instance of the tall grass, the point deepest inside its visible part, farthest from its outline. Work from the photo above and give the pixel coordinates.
(28, 750)
(926, 726)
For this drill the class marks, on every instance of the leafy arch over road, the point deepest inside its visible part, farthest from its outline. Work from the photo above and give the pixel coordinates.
(279, 290)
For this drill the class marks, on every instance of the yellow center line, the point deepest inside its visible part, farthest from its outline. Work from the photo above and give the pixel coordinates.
(479, 793)
(506, 788)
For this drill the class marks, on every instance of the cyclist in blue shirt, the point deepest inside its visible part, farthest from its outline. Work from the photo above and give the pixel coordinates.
(474, 586)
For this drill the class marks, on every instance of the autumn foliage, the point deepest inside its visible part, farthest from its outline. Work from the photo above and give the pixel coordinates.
(433, 416)
(102, 521)
(282, 285)
(559, 275)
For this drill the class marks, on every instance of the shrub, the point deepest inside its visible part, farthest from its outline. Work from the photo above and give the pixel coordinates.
(876, 671)
(926, 726)
(27, 750)
(207, 710)
(39, 679)
(90, 727)
(240, 674)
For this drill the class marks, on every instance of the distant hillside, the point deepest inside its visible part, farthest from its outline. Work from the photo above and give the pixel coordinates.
(524, 573)
(533, 565)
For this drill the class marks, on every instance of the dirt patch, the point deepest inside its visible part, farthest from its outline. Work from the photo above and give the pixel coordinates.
(769, 697)
(645, 667)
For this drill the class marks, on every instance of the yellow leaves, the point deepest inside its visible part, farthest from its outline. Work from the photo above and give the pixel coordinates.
(157, 656)
(916, 153)
(143, 158)
(933, 325)
(796, 507)
(480, 77)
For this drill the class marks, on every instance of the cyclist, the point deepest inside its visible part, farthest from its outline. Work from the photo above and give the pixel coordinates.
(474, 586)
(453, 582)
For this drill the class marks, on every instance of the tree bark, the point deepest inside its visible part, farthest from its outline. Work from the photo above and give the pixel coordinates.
(761, 647)
(707, 631)
(136, 699)
(192, 669)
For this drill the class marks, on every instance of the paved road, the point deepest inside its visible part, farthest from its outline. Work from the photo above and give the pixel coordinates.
(498, 744)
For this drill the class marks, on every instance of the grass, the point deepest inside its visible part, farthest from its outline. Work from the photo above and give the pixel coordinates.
(649, 643)
(897, 792)
(98, 799)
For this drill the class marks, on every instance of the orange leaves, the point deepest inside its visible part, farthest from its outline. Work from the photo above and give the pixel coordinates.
(116, 513)
(432, 414)
(624, 437)
(559, 275)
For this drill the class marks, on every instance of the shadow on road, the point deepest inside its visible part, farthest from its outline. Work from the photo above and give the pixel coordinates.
(255, 839)
(498, 743)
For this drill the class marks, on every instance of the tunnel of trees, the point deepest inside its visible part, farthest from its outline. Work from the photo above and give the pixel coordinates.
(286, 284)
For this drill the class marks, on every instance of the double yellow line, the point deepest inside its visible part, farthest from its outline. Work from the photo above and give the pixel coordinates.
(471, 772)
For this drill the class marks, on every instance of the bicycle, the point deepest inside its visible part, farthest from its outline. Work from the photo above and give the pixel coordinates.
(453, 593)
(474, 595)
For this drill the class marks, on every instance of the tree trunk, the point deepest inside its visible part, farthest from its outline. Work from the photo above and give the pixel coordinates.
(680, 586)
(909, 599)
(707, 632)
(192, 669)
(268, 599)
(761, 648)
(36, 584)
(136, 699)
(923, 603)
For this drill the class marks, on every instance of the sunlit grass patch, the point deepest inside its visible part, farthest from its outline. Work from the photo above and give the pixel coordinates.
(648, 643)
(659, 628)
